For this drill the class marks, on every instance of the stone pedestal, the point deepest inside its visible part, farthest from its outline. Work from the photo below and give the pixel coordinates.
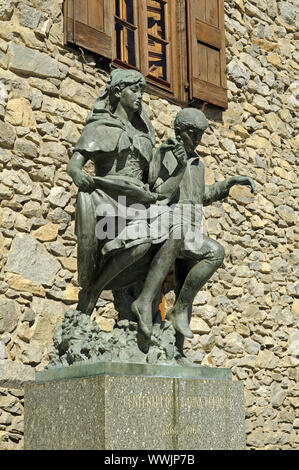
(134, 406)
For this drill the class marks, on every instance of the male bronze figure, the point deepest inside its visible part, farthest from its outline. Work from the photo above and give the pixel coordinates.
(196, 262)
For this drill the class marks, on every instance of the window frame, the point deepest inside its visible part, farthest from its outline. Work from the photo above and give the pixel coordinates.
(176, 91)
(130, 26)
(180, 88)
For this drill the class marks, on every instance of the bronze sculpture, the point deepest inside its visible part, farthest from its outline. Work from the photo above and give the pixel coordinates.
(195, 264)
(120, 140)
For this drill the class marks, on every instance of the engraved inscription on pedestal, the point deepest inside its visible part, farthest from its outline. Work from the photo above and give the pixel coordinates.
(186, 414)
(135, 412)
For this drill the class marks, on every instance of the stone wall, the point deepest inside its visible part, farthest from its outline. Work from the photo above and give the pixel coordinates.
(247, 317)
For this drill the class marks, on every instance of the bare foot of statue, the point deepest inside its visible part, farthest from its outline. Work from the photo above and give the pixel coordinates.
(144, 317)
(179, 320)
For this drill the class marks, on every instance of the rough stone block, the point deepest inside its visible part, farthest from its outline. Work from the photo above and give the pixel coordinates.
(29, 258)
(32, 62)
(9, 314)
(14, 374)
(6, 9)
(7, 135)
(29, 16)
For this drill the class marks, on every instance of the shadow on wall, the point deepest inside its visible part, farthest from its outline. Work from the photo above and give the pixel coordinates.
(211, 112)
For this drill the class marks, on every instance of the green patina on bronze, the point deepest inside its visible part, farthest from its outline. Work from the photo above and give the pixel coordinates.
(119, 138)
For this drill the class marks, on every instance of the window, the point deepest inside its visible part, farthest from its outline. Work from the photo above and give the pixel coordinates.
(178, 45)
(126, 31)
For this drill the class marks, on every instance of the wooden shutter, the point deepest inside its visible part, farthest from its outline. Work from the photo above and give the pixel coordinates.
(90, 23)
(206, 46)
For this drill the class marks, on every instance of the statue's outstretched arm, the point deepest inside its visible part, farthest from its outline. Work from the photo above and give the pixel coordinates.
(220, 190)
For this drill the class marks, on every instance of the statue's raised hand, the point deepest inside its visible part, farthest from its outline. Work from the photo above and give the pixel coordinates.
(177, 149)
(83, 181)
(242, 180)
(180, 154)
